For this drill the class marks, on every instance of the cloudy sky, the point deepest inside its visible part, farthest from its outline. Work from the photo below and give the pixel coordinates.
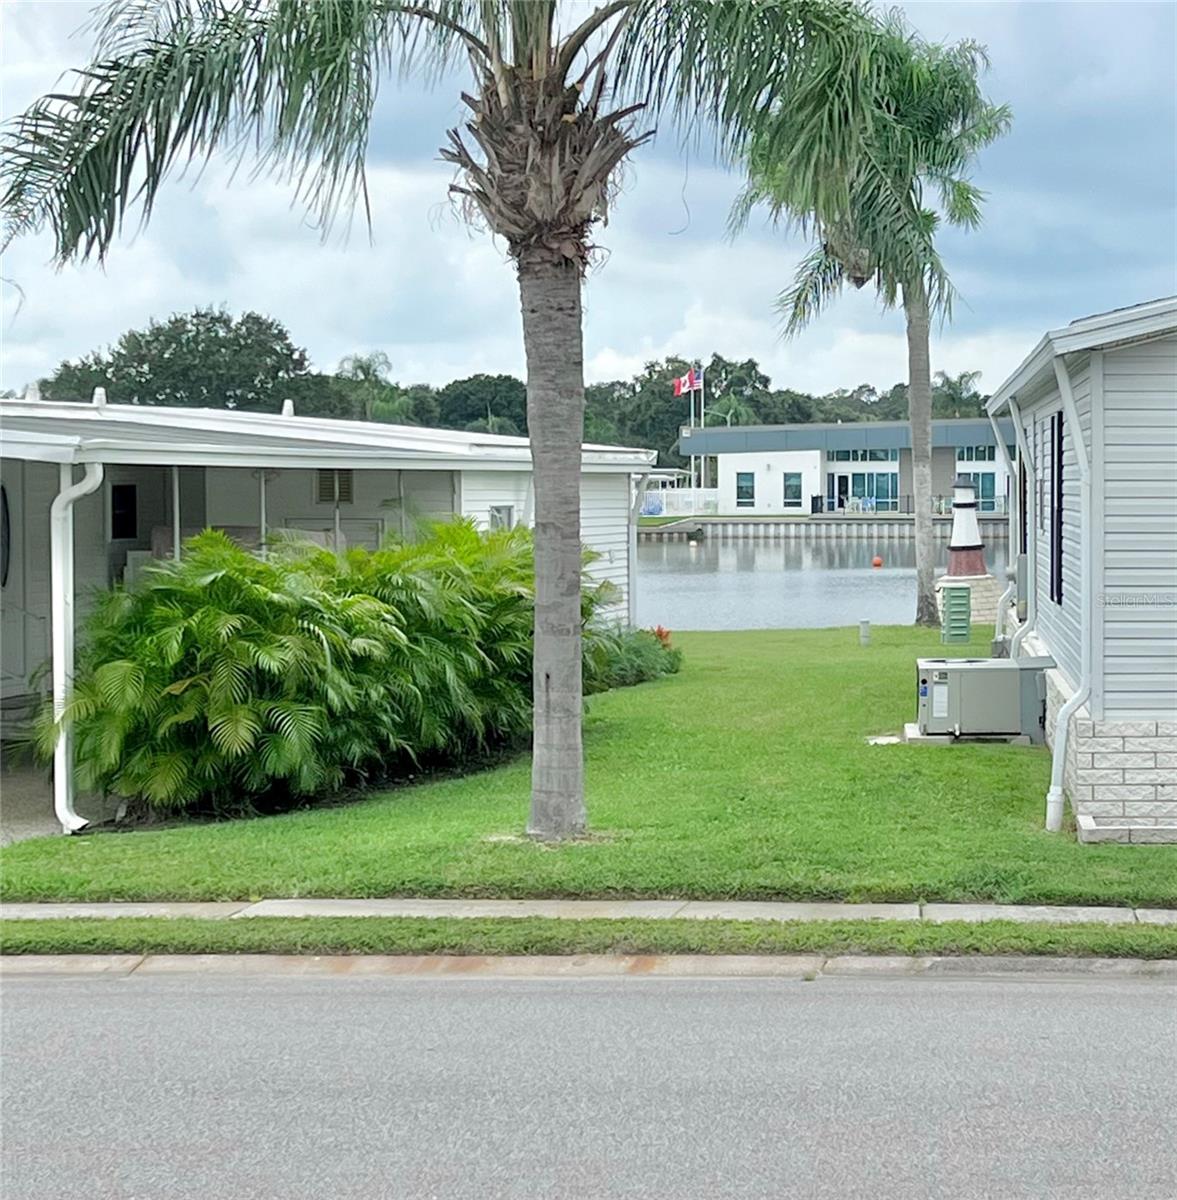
(1080, 218)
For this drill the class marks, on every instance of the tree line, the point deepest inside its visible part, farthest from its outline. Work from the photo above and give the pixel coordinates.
(209, 358)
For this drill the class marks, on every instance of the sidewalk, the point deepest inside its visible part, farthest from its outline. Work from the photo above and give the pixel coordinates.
(579, 910)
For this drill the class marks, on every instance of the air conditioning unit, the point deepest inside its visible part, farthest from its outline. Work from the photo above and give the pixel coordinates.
(981, 697)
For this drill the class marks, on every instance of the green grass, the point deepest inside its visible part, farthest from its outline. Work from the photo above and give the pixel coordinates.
(533, 935)
(654, 522)
(746, 776)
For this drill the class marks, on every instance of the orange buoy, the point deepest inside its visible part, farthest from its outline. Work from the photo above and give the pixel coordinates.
(876, 561)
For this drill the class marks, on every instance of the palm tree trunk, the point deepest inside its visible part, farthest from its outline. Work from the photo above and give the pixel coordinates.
(552, 338)
(919, 400)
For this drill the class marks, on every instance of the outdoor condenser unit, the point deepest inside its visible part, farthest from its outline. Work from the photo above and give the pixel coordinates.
(982, 697)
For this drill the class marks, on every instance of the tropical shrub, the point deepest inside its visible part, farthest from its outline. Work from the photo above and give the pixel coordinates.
(619, 657)
(226, 682)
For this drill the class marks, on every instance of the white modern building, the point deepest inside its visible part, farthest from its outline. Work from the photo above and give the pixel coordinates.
(89, 493)
(853, 467)
(1094, 407)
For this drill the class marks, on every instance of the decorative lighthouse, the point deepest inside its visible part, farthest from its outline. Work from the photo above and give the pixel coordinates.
(966, 555)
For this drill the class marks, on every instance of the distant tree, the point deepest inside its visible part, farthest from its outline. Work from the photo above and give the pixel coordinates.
(787, 407)
(957, 395)
(602, 412)
(468, 402)
(370, 375)
(731, 409)
(316, 395)
(202, 359)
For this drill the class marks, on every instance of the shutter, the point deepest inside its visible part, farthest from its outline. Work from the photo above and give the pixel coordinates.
(325, 485)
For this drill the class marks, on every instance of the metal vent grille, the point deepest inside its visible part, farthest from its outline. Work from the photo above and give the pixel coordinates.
(327, 483)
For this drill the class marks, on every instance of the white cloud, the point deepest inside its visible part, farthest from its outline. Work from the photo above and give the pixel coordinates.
(440, 299)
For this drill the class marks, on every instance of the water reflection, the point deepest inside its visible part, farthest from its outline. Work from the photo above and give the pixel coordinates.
(754, 584)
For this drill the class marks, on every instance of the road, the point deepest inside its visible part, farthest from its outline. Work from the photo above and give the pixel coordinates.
(241, 1088)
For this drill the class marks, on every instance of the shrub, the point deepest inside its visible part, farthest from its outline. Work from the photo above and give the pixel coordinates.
(619, 657)
(224, 680)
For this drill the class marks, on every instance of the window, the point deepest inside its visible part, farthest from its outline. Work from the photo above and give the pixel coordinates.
(745, 489)
(502, 516)
(124, 512)
(840, 455)
(1056, 508)
(326, 485)
(976, 454)
(1023, 516)
(792, 489)
(984, 484)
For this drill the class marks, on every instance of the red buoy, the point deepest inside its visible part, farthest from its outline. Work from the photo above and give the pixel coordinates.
(876, 561)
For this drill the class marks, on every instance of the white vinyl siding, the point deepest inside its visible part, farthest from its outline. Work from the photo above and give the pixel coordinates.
(604, 514)
(1140, 530)
(1059, 625)
(484, 490)
(604, 527)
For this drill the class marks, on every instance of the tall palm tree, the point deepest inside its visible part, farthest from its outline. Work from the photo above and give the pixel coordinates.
(924, 138)
(551, 118)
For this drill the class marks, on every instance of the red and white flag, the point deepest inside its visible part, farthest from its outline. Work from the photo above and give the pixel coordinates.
(689, 382)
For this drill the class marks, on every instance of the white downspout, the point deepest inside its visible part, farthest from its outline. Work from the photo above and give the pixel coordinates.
(1054, 797)
(639, 493)
(61, 607)
(1012, 588)
(1031, 530)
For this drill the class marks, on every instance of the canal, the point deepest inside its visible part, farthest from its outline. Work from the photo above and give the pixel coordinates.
(759, 584)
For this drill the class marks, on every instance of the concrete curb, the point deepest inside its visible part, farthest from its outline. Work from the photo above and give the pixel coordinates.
(587, 966)
(583, 910)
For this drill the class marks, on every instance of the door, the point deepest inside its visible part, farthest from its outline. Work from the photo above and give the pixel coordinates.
(843, 490)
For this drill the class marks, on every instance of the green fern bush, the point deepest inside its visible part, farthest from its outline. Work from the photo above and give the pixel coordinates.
(224, 681)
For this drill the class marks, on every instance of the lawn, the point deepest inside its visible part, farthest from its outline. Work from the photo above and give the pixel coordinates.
(746, 776)
(538, 935)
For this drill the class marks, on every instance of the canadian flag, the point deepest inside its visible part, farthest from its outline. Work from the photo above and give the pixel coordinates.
(688, 383)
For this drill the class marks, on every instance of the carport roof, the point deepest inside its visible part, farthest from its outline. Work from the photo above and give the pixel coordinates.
(54, 431)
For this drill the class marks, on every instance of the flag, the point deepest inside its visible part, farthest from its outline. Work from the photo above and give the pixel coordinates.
(689, 382)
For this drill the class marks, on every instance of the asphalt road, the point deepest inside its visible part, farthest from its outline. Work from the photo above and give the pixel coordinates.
(241, 1088)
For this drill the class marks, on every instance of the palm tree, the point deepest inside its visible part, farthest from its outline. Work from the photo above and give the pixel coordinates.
(370, 372)
(551, 118)
(925, 136)
(733, 410)
(957, 395)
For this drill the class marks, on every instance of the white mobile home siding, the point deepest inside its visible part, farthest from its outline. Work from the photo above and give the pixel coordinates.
(1139, 558)
(481, 490)
(1059, 625)
(604, 527)
(604, 514)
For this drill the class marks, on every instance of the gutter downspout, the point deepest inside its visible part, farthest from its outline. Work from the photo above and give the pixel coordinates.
(639, 494)
(1031, 530)
(1054, 797)
(61, 593)
(1011, 475)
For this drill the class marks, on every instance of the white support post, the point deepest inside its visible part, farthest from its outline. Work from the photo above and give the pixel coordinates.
(176, 513)
(61, 608)
(635, 508)
(261, 510)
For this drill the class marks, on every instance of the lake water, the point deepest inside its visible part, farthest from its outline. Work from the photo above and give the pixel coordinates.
(755, 584)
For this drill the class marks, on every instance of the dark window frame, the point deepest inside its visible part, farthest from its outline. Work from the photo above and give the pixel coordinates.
(124, 518)
(748, 501)
(788, 501)
(1056, 508)
(1023, 516)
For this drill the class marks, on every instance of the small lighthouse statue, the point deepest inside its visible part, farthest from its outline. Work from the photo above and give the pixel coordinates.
(966, 555)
